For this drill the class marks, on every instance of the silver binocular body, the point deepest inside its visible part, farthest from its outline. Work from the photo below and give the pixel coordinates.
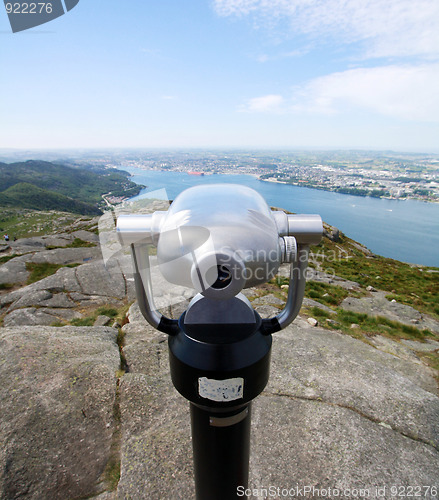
(221, 238)
(221, 229)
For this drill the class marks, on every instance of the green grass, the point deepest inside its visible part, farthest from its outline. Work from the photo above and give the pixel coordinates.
(330, 295)
(38, 271)
(411, 285)
(58, 323)
(76, 243)
(327, 294)
(112, 471)
(368, 325)
(6, 286)
(6, 258)
(318, 313)
(25, 223)
(279, 281)
(111, 312)
(89, 320)
(431, 358)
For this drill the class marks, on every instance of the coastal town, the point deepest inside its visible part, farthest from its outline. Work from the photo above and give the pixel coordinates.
(362, 173)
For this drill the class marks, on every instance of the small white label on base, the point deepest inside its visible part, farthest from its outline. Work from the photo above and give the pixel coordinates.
(221, 390)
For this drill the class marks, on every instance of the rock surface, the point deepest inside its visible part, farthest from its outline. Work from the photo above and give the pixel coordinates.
(337, 412)
(57, 395)
(14, 271)
(65, 294)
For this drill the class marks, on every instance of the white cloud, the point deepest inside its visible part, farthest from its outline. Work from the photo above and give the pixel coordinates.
(268, 103)
(404, 92)
(390, 27)
(407, 92)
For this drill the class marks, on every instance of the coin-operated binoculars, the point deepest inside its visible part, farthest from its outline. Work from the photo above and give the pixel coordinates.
(219, 239)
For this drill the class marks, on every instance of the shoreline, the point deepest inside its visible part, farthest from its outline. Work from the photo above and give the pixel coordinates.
(322, 188)
(275, 181)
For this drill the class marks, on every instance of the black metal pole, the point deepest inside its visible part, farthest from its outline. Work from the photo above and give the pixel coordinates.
(220, 368)
(221, 446)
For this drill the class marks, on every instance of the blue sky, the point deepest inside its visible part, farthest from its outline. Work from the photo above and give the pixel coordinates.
(225, 73)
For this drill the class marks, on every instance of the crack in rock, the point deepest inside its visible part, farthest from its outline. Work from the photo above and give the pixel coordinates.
(355, 410)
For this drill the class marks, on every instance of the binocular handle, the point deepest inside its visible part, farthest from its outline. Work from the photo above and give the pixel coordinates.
(142, 280)
(296, 292)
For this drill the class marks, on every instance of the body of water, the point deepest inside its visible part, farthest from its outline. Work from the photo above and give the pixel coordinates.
(403, 230)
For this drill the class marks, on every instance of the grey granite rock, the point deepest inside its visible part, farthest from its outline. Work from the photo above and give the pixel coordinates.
(313, 303)
(427, 346)
(36, 241)
(57, 240)
(32, 298)
(97, 279)
(57, 394)
(92, 284)
(39, 316)
(63, 256)
(323, 365)
(43, 298)
(28, 245)
(61, 300)
(156, 448)
(298, 444)
(266, 311)
(14, 271)
(395, 348)
(29, 316)
(145, 348)
(86, 236)
(63, 280)
(330, 279)
(102, 320)
(269, 299)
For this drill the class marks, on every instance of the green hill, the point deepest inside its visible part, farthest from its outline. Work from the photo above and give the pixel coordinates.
(41, 185)
(25, 195)
(79, 184)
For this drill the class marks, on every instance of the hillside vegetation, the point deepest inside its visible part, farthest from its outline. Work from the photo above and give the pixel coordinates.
(413, 285)
(25, 195)
(64, 188)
